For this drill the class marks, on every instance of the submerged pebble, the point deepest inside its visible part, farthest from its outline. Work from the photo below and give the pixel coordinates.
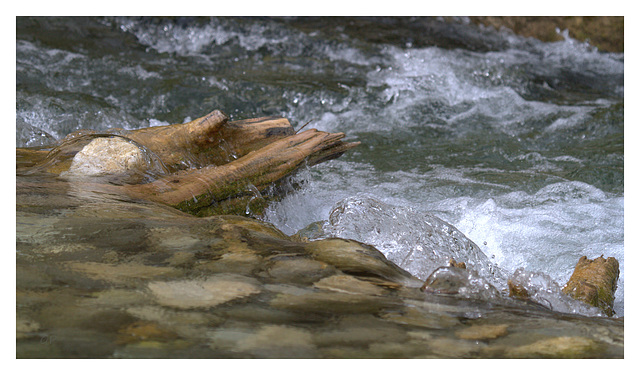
(483, 332)
(276, 340)
(298, 269)
(323, 299)
(122, 273)
(208, 292)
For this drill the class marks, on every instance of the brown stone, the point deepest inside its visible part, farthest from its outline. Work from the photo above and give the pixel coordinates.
(453, 263)
(353, 257)
(482, 332)
(144, 331)
(595, 282)
(605, 33)
(517, 291)
(556, 347)
(203, 293)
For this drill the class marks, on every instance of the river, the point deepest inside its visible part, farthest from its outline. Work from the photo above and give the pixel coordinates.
(516, 143)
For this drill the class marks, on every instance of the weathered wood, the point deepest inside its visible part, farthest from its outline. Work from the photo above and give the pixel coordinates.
(210, 140)
(211, 165)
(196, 190)
(595, 282)
(27, 158)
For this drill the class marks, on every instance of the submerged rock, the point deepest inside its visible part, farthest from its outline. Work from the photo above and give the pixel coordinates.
(459, 281)
(203, 293)
(595, 282)
(144, 331)
(24, 327)
(349, 285)
(483, 332)
(559, 347)
(142, 279)
(357, 258)
(275, 340)
(242, 289)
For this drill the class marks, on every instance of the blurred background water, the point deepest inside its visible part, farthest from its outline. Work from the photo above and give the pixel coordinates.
(517, 143)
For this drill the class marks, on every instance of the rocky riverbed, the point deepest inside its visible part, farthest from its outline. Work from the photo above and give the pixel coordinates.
(102, 276)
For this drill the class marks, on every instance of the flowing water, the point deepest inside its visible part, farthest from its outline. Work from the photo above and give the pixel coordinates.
(510, 146)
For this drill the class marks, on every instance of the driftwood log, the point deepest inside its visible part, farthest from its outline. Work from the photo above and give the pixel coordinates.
(207, 166)
(595, 282)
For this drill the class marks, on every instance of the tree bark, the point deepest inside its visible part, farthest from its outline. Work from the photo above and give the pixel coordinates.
(595, 282)
(199, 190)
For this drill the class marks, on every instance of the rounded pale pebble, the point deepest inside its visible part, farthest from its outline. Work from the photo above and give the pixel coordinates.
(172, 239)
(227, 338)
(482, 332)
(67, 248)
(103, 156)
(208, 292)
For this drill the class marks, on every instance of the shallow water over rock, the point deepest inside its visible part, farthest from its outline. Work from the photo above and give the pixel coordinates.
(118, 278)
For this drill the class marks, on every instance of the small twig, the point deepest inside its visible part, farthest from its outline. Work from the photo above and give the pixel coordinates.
(302, 127)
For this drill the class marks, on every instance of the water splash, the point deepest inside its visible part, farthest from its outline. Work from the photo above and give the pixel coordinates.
(417, 241)
(546, 292)
(423, 244)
